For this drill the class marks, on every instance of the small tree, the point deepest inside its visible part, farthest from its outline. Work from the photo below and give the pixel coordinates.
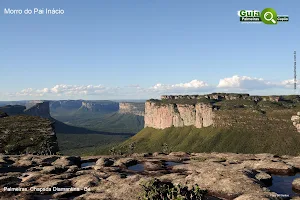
(113, 151)
(131, 148)
(165, 148)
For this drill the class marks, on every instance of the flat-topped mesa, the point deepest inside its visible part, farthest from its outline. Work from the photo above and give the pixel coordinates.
(40, 109)
(228, 96)
(162, 116)
(203, 110)
(102, 106)
(132, 108)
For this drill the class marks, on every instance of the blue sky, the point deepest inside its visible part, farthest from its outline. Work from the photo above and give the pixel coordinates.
(134, 49)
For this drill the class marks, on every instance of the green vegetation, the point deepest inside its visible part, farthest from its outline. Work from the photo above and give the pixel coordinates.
(113, 122)
(239, 131)
(156, 189)
(95, 134)
(233, 104)
(237, 101)
(27, 134)
(182, 101)
(88, 144)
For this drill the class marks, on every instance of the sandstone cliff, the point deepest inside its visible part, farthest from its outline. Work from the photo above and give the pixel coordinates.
(132, 108)
(212, 109)
(162, 116)
(32, 103)
(65, 104)
(101, 106)
(39, 109)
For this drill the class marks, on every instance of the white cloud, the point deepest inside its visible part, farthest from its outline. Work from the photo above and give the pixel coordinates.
(194, 85)
(72, 90)
(65, 90)
(290, 83)
(230, 84)
(245, 83)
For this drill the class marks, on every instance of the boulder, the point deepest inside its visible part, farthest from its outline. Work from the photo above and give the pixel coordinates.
(87, 180)
(105, 162)
(30, 177)
(151, 166)
(53, 170)
(67, 161)
(24, 163)
(252, 197)
(73, 169)
(264, 177)
(67, 194)
(269, 166)
(179, 154)
(126, 162)
(54, 183)
(295, 118)
(296, 184)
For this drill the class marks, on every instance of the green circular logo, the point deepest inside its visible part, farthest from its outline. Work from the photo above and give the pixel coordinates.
(268, 16)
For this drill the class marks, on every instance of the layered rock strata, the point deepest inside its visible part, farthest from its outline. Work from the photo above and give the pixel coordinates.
(162, 116)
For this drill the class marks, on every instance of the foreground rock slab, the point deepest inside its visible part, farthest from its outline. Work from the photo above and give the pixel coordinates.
(223, 175)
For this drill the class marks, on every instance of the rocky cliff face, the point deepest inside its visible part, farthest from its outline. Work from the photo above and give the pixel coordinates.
(102, 106)
(40, 109)
(132, 108)
(32, 103)
(203, 110)
(21, 134)
(66, 104)
(162, 116)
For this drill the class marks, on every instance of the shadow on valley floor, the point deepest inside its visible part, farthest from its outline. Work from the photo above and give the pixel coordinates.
(77, 141)
(62, 128)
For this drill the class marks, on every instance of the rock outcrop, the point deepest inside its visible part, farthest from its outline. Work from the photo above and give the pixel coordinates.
(40, 109)
(132, 108)
(296, 121)
(203, 110)
(222, 175)
(32, 103)
(35, 108)
(23, 134)
(162, 116)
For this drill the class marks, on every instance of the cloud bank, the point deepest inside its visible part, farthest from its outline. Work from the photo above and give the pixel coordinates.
(245, 83)
(233, 84)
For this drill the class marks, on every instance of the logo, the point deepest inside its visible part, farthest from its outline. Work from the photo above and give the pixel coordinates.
(268, 16)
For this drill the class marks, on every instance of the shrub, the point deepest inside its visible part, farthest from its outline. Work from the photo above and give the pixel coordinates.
(156, 189)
